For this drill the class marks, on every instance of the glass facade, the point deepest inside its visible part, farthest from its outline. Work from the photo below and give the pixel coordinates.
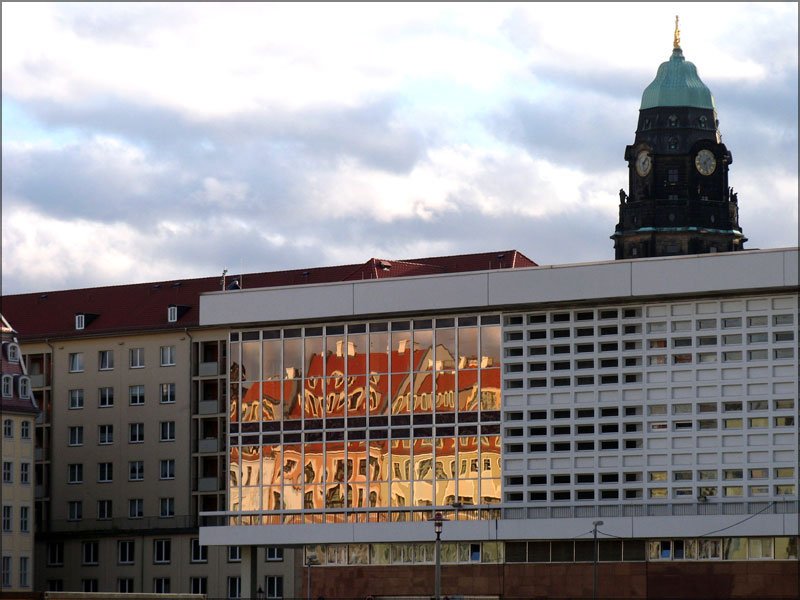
(364, 421)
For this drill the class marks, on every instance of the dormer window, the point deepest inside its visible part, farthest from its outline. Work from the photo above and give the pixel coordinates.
(80, 321)
(12, 352)
(24, 387)
(172, 313)
(7, 385)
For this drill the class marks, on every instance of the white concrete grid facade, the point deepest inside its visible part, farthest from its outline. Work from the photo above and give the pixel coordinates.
(651, 403)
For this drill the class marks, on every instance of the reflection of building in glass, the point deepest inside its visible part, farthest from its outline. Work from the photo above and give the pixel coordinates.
(379, 415)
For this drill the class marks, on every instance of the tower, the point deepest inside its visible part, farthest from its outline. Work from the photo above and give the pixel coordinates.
(679, 201)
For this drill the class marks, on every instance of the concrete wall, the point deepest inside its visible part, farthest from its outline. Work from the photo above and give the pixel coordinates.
(711, 273)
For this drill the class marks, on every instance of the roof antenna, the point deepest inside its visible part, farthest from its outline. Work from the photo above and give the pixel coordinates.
(676, 43)
(222, 281)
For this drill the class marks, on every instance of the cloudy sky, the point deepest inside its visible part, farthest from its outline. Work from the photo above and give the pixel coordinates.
(173, 140)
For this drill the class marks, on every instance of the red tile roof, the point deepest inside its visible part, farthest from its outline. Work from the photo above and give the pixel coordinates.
(142, 307)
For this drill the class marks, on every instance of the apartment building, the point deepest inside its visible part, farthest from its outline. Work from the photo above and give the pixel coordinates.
(130, 444)
(17, 412)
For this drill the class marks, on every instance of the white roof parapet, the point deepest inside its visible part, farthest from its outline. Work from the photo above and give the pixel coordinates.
(731, 272)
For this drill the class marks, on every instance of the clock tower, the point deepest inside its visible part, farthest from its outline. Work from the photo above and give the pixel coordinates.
(679, 201)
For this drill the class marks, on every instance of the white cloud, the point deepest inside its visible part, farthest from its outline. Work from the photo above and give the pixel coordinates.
(205, 131)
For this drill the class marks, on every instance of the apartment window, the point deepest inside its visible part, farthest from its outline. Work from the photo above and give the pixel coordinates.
(55, 585)
(199, 553)
(75, 399)
(125, 585)
(161, 585)
(136, 433)
(167, 393)
(234, 588)
(104, 510)
(167, 431)
(198, 585)
(24, 568)
(136, 395)
(55, 554)
(76, 435)
(234, 554)
(135, 508)
(275, 553)
(105, 472)
(89, 585)
(106, 396)
(167, 356)
(136, 470)
(8, 517)
(76, 362)
(162, 551)
(105, 434)
(75, 473)
(274, 586)
(24, 473)
(8, 471)
(105, 360)
(136, 358)
(90, 552)
(168, 468)
(126, 552)
(8, 428)
(25, 387)
(6, 572)
(25, 430)
(167, 507)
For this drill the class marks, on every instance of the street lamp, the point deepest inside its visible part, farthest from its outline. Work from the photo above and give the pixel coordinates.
(437, 528)
(596, 524)
(311, 559)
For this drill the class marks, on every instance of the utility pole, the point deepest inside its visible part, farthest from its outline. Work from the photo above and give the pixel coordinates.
(595, 525)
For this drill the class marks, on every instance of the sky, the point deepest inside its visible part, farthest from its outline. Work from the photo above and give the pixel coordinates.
(145, 142)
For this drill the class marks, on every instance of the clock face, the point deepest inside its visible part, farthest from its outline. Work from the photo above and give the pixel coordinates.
(705, 162)
(644, 163)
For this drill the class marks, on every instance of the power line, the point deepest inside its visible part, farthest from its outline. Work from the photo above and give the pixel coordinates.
(770, 505)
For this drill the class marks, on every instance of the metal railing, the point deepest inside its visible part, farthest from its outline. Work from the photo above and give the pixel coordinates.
(494, 512)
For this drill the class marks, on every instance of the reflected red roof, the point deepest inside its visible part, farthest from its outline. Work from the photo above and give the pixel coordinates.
(143, 306)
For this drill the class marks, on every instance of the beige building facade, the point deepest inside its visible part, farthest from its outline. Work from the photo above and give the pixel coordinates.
(17, 412)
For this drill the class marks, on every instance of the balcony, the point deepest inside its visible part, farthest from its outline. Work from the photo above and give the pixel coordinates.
(207, 369)
(207, 407)
(208, 484)
(38, 380)
(208, 445)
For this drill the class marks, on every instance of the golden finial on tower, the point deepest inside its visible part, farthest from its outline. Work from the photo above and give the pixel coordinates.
(677, 41)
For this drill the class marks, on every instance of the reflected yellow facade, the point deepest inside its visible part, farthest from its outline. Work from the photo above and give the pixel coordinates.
(364, 421)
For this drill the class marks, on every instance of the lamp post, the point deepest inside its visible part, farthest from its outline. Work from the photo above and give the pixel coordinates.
(437, 527)
(596, 524)
(311, 559)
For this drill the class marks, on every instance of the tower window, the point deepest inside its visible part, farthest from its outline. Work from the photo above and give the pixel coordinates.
(672, 174)
(703, 121)
(672, 120)
(673, 143)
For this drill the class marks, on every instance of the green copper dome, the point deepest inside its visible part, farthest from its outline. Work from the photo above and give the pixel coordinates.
(677, 84)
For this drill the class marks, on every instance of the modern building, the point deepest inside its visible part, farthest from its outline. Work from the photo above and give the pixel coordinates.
(654, 401)
(17, 411)
(130, 443)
